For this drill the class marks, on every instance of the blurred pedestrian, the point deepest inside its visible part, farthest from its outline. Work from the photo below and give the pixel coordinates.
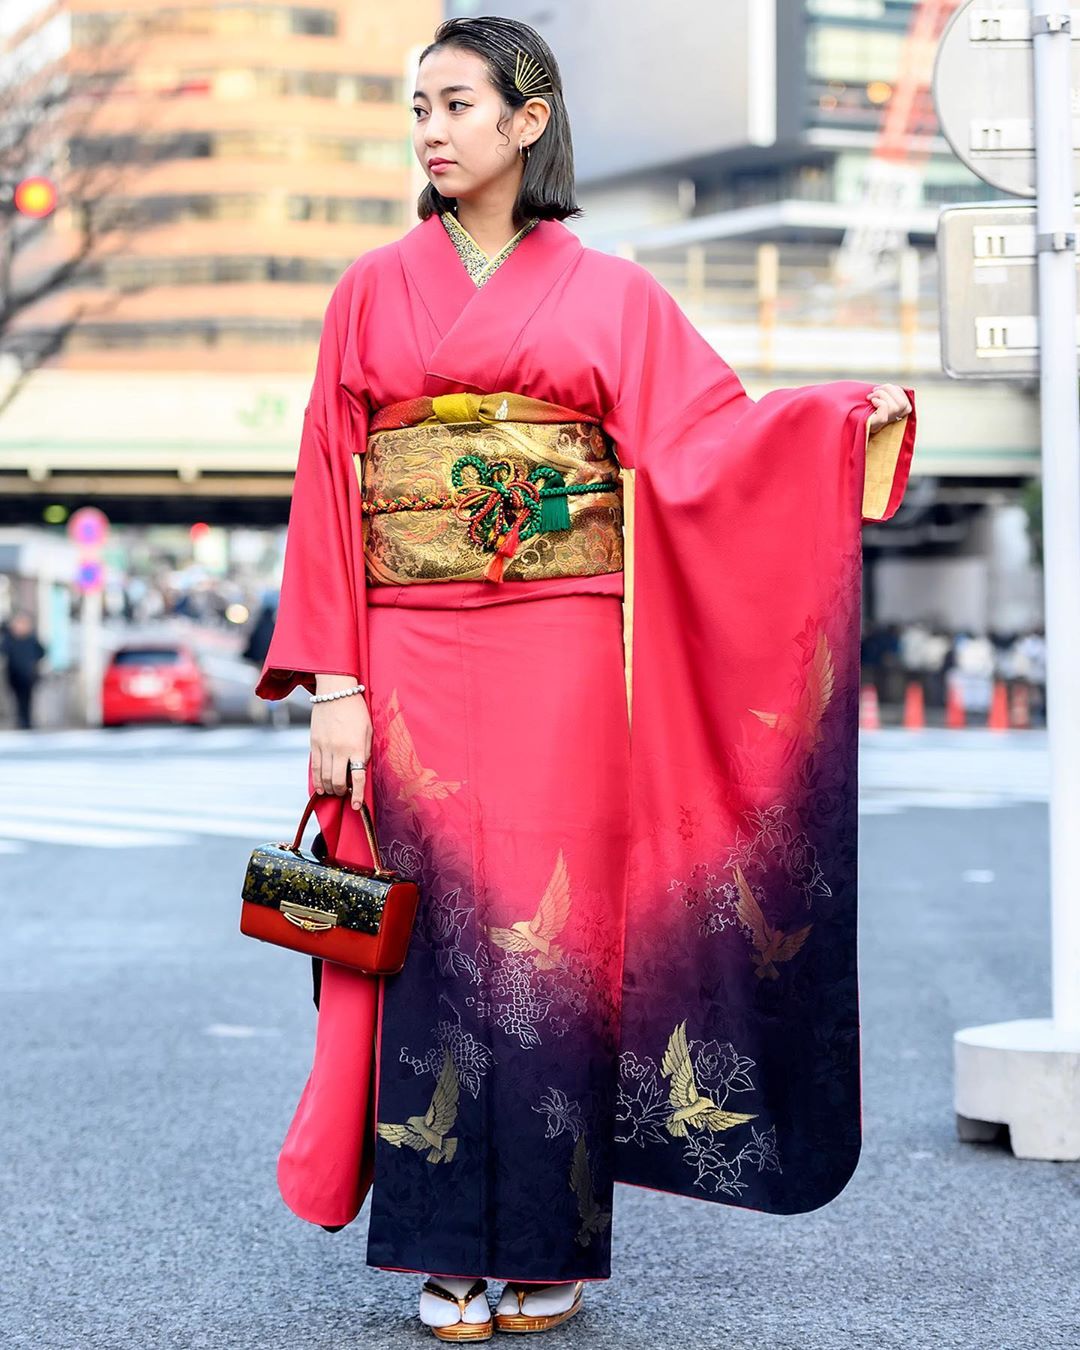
(892, 683)
(937, 649)
(881, 660)
(1028, 665)
(23, 653)
(923, 651)
(262, 630)
(258, 644)
(975, 663)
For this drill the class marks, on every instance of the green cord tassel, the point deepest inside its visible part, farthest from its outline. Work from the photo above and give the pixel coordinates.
(554, 511)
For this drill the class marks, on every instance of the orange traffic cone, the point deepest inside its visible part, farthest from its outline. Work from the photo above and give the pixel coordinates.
(1020, 706)
(999, 708)
(869, 712)
(955, 716)
(915, 706)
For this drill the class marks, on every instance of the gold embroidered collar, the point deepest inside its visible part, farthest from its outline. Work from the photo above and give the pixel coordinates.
(478, 265)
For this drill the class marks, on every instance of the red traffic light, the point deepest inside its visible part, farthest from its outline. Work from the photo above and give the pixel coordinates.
(35, 197)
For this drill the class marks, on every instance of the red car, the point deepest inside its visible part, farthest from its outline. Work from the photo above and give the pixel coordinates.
(153, 683)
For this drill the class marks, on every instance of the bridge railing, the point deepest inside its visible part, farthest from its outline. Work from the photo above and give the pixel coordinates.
(781, 306)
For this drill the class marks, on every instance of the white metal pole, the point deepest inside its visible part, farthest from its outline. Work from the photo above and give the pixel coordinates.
(7, 248)
(1056, 228)
(92, 662)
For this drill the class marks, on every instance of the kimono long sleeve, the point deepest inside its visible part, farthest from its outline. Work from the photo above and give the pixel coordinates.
(319, 626)
(325, 1166)
(671, 377)
(740, 1062)
(668, 373)
(742, 510)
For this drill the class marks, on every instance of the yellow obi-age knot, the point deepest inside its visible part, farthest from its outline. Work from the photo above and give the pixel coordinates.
(460, 408)
(463, 486)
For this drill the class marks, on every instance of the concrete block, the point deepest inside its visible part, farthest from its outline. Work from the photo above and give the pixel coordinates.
(1025, 1075)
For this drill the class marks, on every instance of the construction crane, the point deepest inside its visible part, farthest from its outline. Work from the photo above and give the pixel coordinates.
(892, 186)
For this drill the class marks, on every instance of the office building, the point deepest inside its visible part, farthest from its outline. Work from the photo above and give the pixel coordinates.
(231, 158)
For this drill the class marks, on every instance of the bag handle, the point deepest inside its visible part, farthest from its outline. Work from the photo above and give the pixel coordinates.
(369, 830)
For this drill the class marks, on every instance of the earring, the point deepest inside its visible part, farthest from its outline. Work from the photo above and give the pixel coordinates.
(523, 151)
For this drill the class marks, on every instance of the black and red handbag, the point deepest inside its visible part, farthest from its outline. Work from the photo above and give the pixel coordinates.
(356, 916)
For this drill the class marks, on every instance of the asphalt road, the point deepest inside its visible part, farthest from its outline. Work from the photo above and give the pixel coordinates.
(152, 1059)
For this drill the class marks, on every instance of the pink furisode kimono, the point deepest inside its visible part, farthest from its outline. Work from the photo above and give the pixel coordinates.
(607, 608)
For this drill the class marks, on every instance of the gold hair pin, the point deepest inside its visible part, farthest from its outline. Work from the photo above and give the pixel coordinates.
(530, 76)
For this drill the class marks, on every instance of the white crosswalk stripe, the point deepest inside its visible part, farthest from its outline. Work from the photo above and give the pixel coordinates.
(951, 770)
(48, 832)
(124, 740)
(164, 786)
(169, 785)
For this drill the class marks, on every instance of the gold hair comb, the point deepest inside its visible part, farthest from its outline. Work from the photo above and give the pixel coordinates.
(530, 76)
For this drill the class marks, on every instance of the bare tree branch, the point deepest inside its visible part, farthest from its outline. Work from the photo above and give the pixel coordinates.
(51, 123)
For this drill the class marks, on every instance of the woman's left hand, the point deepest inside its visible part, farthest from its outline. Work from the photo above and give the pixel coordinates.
(890, 405)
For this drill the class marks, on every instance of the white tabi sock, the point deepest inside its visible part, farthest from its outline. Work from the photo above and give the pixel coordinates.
(440, 1312)
(540, 1301)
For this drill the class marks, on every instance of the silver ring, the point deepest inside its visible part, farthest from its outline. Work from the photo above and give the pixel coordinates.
(358, 764)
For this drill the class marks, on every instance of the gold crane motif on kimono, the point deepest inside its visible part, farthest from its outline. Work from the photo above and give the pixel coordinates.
(593, 1218)
(690, 1107)
(537, 935)
(429, 1130)
(413, 779)
(803, 722)
(771, 945)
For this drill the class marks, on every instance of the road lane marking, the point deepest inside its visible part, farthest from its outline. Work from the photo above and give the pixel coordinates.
(16, 817)
(87, 837)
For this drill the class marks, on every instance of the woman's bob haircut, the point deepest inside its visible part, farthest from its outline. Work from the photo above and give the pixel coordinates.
(547, 185)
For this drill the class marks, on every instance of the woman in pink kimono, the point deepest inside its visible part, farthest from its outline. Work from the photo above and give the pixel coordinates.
(582, 619)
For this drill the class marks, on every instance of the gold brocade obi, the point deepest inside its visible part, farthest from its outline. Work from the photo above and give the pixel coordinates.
(473, 486)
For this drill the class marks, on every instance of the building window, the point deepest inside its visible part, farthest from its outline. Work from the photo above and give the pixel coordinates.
(344, 210)
(130, 272)
(846, 9)
(90, 152)
(314, 22)
(176, 334)
(222, 20)
(852, 70)
(853, 55)
(178, 208)
(238, 84)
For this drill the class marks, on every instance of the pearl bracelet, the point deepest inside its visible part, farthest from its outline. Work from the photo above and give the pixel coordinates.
(338, 693)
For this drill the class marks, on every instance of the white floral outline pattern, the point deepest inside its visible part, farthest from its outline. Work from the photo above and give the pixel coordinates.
(643, 1109)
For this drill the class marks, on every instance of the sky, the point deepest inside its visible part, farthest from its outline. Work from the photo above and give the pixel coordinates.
(14, 13)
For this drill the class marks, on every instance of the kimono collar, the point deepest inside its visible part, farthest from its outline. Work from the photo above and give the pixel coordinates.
(478, 265)
(477, 327)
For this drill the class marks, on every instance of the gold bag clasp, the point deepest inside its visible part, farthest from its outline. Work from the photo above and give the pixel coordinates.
(310, 920)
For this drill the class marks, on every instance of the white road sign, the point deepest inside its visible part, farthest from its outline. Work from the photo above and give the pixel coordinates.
(983, 90)
(989, 291)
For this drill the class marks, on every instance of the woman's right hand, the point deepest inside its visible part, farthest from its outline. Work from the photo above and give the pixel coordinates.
(340, 731)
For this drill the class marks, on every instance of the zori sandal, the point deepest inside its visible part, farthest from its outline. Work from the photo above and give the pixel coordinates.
(523, 1321)
(461, 1330)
